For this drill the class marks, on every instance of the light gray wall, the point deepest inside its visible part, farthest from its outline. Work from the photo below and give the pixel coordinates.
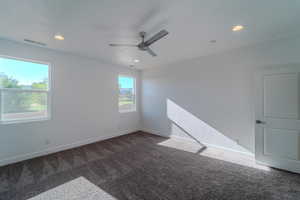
(84, 105)
(212, 98)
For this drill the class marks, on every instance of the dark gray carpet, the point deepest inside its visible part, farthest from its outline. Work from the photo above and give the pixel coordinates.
(135, 167)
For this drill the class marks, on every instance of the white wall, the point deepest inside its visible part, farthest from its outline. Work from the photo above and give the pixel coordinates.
(84, 105)
(212, 98)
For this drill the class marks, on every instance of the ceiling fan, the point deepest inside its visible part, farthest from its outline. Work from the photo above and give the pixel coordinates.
(144, 45)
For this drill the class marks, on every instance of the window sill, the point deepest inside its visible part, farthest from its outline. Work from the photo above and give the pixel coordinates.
(24, 121)
(127, 111)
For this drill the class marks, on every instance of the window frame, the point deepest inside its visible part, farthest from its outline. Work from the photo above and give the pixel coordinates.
(48, 92)
(134, 109)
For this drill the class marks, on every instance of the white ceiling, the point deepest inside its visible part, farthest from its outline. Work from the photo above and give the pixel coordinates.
(90, 25)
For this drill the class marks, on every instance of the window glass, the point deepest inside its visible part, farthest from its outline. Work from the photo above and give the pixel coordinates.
(127, 97)
(22, 74)
(24, 90)
(23, 105)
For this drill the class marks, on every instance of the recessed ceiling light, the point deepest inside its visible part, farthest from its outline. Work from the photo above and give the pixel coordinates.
(136, 60)
(59, 37)
(237, 28)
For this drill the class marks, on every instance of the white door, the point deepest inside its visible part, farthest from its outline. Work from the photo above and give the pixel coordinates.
(277, 132)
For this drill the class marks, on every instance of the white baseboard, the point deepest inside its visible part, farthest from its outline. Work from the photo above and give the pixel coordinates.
(59, 148)
(229, 149)
(212, 145)
(204, 143)
(154, 132)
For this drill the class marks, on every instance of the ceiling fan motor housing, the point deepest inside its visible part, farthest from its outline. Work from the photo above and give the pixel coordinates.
(142, 45)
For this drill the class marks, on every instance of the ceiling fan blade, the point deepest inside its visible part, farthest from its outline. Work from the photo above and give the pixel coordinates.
(122, 45)
(151, 52)
(156, 37)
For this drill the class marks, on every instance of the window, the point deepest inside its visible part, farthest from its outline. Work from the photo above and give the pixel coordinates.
(24, 90)
(127, 97)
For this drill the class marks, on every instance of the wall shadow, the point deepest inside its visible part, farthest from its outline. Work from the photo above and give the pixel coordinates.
(175, 127)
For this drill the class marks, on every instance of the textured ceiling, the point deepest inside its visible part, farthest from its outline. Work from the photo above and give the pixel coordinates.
(90, 25)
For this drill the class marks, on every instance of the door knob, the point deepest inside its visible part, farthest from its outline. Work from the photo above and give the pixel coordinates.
(260, 122)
